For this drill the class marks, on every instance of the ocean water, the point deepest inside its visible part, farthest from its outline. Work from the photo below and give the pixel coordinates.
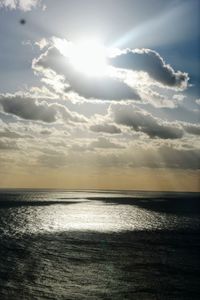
(99, 245)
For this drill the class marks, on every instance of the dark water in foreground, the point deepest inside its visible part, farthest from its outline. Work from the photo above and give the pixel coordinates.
(94, 245)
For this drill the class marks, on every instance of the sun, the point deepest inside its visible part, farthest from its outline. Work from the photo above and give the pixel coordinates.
(89, 57)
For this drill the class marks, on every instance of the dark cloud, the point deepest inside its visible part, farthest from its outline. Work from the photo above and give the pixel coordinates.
(140, 120)
(28, 108)
(107, 128)
(179, 113)
(192, 129)
(45, 132)
(104, 88)
(31, 109)
(151, 62)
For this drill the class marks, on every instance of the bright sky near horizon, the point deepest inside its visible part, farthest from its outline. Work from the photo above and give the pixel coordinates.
(100, 94)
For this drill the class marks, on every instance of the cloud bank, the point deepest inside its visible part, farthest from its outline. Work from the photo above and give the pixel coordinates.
(142, 121)
(32, 109)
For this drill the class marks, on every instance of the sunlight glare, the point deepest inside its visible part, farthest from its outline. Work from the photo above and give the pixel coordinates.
(89, 57)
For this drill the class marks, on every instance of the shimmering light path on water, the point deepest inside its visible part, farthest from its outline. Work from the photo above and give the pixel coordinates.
(99, 245)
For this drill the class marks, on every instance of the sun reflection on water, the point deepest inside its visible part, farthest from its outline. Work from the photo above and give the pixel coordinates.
(92, 215)
(61, 212)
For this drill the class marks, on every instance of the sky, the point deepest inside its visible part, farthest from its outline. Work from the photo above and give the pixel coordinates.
(100, 94)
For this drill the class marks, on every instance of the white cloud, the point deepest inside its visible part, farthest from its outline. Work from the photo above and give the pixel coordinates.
(198, 101)
(43, 43)
(24, 5)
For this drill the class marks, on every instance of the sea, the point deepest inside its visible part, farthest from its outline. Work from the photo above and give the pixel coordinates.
(91, 244)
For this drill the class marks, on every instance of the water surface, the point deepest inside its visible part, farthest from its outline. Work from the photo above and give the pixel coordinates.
(99, 245)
